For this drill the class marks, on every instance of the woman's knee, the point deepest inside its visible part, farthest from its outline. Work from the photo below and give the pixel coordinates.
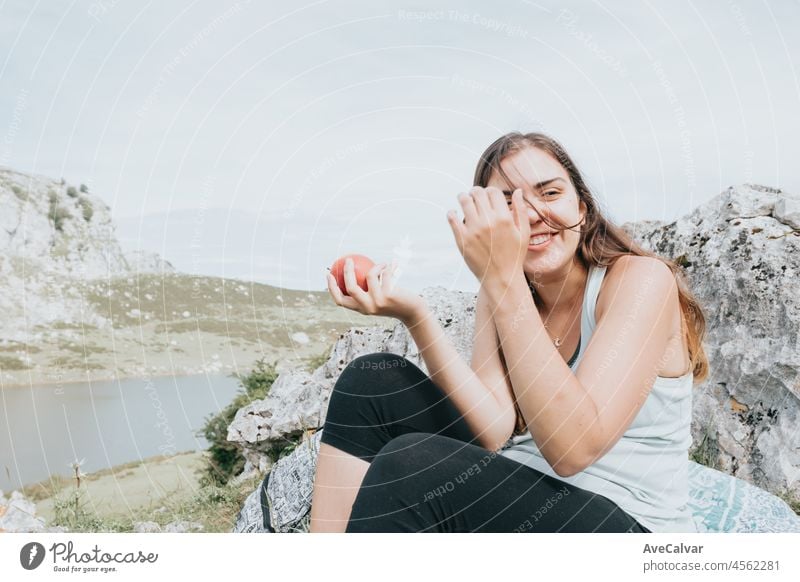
(398, 458)
(411, 455)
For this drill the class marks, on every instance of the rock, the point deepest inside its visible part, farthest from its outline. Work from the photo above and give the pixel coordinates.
(183, 527)
(787, 211)
(300, 337)
(146, 527)
(739, 252)
(148, 262)
(249, 472)
(298, 400)
(18, 515)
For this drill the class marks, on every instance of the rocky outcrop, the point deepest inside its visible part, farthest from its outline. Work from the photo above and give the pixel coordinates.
(740, 253)
(741, 256)
(298, 400)
(50, 227)
(52, 235)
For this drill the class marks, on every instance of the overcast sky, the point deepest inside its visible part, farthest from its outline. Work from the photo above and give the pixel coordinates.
(262, 139)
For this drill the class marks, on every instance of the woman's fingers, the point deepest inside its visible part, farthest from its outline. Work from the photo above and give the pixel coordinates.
(458, 229)
(374, 285)
(388, 277)
(469, 208)
(497, 201)
(481, 201)
(338, 297)
(360, 296)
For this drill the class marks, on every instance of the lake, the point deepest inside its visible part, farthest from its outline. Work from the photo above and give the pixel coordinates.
(44, 428)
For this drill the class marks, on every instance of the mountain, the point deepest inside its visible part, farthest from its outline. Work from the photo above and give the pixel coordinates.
(76, 306)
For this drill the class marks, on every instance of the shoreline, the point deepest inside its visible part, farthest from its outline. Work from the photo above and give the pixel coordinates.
(111, 378)
(12, 380)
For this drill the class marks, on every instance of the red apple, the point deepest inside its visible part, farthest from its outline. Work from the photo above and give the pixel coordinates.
(361, 266)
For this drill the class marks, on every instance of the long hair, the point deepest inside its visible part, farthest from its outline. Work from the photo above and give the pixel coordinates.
(601, 242)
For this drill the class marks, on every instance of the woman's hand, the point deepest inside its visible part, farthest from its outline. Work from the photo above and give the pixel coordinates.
(494, 237)
(383, 298)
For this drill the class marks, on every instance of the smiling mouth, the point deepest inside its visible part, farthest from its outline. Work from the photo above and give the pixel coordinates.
(540, 239)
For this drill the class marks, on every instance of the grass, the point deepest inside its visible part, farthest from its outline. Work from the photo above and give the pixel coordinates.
(12, 363)
(57, 483)
(214, 507)
(155, 309)
(45, 489)
(83, 349)
(314, 362)
(707, 450)
(13, 346)
(791, 500)
(180, 303)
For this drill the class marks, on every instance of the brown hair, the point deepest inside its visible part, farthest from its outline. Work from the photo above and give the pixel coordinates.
(601, 242)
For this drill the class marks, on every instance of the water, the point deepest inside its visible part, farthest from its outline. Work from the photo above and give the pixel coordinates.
(44, 428)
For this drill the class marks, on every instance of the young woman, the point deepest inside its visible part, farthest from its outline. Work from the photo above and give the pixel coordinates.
(574, 414)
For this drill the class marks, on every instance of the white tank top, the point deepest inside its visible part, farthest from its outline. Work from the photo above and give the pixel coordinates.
(646, 471)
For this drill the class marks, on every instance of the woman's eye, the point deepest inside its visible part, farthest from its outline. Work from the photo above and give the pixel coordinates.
(553, 192)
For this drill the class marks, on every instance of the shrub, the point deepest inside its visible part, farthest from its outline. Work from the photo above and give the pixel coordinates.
(19, 193)
(72, 192)
(60, 214)
(226, 460)
(86, 208)
(12, 363)
(84, 188)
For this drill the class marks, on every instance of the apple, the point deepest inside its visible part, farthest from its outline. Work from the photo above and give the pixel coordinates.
(361, 266)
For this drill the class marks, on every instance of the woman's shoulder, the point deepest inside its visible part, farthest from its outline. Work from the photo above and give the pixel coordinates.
(630, 268)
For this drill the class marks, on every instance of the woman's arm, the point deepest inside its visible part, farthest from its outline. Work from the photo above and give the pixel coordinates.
(576, 418)
(482, 391)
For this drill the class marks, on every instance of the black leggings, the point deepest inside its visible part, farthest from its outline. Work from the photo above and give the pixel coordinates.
(427, 471)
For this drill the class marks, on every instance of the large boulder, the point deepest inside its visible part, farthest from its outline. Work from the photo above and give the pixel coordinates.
(740, 253)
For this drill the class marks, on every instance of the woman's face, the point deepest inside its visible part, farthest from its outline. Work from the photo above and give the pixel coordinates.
(546, 185)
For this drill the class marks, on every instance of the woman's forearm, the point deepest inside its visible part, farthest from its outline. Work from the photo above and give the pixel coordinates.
(561, 415)
(448, 370)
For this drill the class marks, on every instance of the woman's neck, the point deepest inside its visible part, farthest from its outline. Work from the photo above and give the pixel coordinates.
(560, 291)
